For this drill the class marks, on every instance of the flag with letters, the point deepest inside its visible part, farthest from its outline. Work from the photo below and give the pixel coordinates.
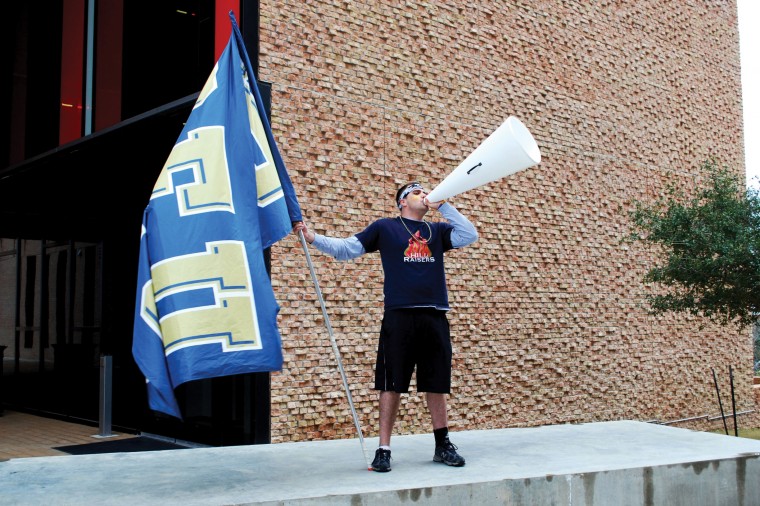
(205, 306)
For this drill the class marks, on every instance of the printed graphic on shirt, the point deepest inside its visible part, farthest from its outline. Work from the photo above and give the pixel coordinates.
(418, 250)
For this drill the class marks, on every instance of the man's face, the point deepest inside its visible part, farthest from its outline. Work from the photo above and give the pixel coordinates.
(414, 199)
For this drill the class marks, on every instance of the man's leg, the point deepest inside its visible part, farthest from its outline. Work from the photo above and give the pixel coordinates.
(445, 451)
(389, 402)
(438, 410)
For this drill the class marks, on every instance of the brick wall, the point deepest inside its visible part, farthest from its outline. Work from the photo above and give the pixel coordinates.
(548, 322)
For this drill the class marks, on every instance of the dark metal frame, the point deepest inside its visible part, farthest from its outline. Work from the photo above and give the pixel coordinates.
(70, 205)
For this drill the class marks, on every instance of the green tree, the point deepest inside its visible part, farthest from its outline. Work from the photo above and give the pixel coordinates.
(711, 248)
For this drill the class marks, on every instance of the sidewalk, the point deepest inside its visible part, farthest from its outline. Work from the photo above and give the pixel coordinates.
(25, 435)
(607, 463)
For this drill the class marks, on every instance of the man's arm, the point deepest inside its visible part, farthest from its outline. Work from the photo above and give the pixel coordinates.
(341, 249)
(464, 232)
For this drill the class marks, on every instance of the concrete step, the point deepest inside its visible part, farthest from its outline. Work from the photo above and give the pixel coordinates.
(605, 463)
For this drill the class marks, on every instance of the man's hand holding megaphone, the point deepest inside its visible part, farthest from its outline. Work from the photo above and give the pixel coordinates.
(433, 205)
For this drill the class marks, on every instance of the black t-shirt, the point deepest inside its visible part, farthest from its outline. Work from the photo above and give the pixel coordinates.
(412, 255)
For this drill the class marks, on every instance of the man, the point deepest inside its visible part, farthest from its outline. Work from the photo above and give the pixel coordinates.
(415, 330)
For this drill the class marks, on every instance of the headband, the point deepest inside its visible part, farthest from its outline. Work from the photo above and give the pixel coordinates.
(409, 189)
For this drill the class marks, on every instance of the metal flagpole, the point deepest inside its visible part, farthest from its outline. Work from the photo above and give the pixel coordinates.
(335, 348)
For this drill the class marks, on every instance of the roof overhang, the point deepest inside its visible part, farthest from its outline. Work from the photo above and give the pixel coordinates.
(95, 186)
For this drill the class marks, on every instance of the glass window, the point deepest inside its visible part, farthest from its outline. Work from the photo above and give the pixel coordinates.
(85, 65)
(168, 51)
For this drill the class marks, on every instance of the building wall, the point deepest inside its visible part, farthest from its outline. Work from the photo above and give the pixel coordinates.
(549, 321)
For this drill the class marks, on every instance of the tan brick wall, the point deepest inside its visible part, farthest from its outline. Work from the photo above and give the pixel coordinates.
(549, 324)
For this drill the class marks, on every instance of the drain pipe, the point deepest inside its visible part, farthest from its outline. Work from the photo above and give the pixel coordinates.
(733, 400)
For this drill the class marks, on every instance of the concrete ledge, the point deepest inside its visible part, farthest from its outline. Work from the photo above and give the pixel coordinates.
(699, 484)
(606, 463)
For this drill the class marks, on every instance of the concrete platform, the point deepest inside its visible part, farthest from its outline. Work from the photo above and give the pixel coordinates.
(609, 463)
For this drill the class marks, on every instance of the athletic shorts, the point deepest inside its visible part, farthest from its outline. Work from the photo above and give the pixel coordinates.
(414, 337)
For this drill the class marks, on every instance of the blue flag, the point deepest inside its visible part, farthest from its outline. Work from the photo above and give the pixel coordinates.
(205, 305)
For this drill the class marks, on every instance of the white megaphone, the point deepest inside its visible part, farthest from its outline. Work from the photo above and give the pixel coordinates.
(509, 149)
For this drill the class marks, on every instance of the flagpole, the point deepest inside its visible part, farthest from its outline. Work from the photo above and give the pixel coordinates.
(335, 347)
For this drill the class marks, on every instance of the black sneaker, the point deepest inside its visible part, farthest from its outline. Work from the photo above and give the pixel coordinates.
(382, 462)
(447, 454)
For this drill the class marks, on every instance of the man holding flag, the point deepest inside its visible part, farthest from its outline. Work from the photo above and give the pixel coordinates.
(414, 333)
(205, 305)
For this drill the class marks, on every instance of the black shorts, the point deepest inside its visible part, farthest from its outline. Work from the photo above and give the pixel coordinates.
(414, 337)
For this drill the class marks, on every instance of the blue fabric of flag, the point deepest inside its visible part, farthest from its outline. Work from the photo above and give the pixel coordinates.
(205, 306)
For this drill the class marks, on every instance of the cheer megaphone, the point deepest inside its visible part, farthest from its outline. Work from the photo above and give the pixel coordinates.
(509, 149)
